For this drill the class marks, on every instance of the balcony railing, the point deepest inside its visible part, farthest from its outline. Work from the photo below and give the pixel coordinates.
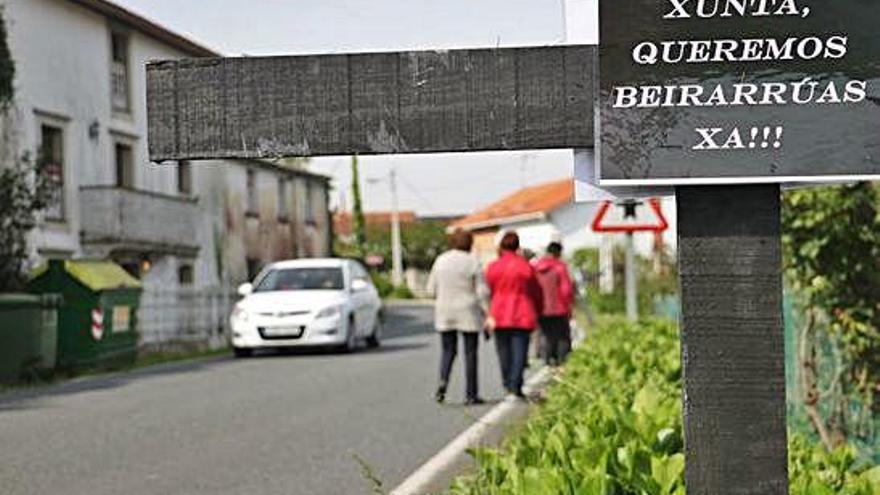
(123, 219)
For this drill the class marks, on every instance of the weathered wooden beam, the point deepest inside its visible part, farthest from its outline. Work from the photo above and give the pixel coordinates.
(410, 102)
(732, 340)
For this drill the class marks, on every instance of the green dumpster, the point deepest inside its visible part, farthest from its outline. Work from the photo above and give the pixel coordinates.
(27, 334)
(51, 304)
(20, 335)
(97, 324)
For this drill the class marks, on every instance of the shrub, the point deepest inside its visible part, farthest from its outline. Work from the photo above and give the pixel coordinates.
(653, 285)
(612, 425)
(831, 241)
(383, 284)
(402, 292)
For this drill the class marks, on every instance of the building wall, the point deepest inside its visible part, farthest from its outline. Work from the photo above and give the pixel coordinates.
(63, 57)
(485, 248)
(55, 84)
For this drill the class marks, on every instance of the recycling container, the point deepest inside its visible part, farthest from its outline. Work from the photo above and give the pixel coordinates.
(97, 323)
(51, 305)
(20, 333)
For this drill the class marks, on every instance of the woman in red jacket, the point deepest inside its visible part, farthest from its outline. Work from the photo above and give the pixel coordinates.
(514, 309)
(558, 291)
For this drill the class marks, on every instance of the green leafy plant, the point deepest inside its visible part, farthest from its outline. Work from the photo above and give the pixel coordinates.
(831, 240)
(402, 292)
(24, 192)
(612, 425)
(383, 284)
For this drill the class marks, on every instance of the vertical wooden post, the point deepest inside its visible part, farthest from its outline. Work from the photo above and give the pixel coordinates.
(732, 340)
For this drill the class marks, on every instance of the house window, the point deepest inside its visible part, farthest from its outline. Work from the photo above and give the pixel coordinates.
(51, 159)
(119, 94)
(185, 275)
(184, 177)
(253, 206)
(124, 166)
(283, 191)
(253, 268)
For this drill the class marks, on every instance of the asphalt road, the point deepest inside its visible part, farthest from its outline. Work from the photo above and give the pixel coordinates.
(274, 424)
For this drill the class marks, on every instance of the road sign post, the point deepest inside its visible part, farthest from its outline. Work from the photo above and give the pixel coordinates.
(628, 218)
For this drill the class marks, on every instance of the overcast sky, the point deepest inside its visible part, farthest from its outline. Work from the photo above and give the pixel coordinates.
(438, 184)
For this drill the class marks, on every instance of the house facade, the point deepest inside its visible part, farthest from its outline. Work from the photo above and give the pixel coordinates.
(183, 227)
(547, 212)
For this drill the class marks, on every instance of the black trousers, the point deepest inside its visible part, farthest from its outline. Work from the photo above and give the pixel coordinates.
(512, 345)
(449, 341)
(557, 338)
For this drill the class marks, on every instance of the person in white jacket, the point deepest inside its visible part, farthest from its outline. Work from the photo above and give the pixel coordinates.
(462, 298)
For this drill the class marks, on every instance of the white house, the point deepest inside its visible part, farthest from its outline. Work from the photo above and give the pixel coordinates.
(190, 231)
(547, 212)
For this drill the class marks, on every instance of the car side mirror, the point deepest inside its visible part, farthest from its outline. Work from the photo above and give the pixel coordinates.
(359, 284)
(245, 289)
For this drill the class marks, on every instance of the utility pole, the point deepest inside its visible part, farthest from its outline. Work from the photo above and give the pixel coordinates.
(606, 265)
(396, 249)
(632, 302)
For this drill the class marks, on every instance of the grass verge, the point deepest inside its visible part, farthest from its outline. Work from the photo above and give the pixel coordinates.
(612, 425)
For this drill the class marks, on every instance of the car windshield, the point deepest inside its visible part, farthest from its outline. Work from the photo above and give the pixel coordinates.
(301, 279)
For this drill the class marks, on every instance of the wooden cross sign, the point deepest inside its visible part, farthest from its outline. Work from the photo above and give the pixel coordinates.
(674, 95)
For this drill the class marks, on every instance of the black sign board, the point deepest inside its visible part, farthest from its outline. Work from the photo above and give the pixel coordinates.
(738, 91)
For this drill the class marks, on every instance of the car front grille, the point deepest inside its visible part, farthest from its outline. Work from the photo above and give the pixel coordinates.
(284, 314)
(292, 333)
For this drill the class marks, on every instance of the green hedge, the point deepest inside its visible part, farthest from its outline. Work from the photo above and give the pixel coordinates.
(612, 425)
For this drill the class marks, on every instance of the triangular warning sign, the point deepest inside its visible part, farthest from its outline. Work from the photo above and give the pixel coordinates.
(630, 216)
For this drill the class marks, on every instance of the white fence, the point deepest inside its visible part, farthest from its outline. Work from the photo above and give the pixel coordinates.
(197, 318)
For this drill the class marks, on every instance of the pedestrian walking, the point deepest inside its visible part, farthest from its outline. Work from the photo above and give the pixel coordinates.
(557, 290)
(514, 309)
(457, 283)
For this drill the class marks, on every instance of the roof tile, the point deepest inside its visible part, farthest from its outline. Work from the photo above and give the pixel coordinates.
(543, 198)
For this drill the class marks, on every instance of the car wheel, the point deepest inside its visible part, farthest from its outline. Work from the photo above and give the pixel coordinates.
(375, 338)
(350, 337)
(241, 352)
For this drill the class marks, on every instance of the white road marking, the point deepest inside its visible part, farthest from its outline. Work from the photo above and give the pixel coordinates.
(419, 481)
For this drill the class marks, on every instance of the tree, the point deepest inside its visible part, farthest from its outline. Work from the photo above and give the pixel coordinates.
(831, 241)
(23, 193)
(24, 190)
(422, 242)
(7, 67)
(358, 220)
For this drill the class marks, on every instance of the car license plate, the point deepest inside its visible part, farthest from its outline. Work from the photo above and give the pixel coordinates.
(292, 332)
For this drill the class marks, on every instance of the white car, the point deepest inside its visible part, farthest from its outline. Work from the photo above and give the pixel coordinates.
(308, 302)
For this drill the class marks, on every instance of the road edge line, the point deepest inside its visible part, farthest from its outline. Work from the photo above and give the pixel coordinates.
(421, 478)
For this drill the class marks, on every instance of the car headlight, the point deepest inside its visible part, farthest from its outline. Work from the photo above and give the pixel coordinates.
(329, 312)
(239, 313)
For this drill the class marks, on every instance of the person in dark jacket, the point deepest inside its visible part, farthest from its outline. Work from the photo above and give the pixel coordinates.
(558, 295)
(516, 302)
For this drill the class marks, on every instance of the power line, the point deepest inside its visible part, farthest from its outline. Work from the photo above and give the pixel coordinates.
(413, 189)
